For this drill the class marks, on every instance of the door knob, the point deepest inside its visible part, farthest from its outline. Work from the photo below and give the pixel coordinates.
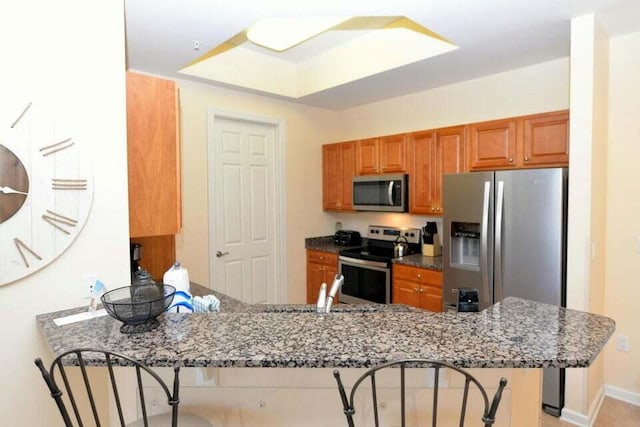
(219, 254)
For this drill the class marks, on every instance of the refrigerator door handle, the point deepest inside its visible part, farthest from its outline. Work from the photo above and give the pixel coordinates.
(497, 273)
(484, 246)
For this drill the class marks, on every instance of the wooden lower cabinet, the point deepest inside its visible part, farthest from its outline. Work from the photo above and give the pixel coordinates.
(321, 268)
(417, 287)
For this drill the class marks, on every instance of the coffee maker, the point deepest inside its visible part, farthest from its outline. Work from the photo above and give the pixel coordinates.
(135, 254)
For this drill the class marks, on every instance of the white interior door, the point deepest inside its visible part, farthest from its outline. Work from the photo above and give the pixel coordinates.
(242, 210)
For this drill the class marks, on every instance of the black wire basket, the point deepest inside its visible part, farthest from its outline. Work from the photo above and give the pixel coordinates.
(138, 307)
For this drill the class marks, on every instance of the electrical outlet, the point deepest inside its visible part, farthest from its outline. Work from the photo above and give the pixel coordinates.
(89, 282)
(623, 343)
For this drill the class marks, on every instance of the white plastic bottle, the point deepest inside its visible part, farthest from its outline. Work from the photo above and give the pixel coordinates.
(178, 277)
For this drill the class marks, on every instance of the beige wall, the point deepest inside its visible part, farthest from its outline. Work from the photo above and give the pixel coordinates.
(75, 50)
(534, 89)
(599, 197)
(623, 212)
(306, 130)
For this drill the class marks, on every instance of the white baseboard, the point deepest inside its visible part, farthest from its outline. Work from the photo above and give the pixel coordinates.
(575, 418)
(622, 394)
(595, 406)
(579, 419)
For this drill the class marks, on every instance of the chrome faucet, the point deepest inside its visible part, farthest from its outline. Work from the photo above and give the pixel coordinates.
(325, 301)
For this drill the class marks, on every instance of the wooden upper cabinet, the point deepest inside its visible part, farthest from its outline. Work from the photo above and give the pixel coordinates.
(538, 140)
(422, 155)
(387, 154)
(393, 154)
(153, 148)
(433, 154)
(450, 158)
(546, 139)
(367, 157)
(492, 145)
(338, 169)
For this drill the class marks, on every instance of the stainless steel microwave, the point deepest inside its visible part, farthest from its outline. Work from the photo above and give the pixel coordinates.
(385, 193)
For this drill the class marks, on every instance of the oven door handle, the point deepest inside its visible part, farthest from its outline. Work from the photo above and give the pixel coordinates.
(363, 262)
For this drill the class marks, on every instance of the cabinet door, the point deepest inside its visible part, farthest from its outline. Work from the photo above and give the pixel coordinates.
(492, 145)
(331, 176)
(348, 171)
(449, 158)
(546, 140)
(330, 272)
(321, 268)
(430, 299)
(393, 154)
(153, 150)
(367, 157)
(421, 160)
(405, 292)
(315, 277)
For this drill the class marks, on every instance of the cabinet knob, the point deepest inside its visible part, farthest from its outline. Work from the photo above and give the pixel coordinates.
(526, 158)
(421, 290)
(433, 209)
(510, 160)
(321, 258)
(419, 276)
(437, 209)
(416, 289)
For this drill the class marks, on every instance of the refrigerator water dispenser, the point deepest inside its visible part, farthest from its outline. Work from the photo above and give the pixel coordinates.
(465, 245)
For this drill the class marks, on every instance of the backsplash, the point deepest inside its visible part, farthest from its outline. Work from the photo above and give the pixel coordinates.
(359, 221)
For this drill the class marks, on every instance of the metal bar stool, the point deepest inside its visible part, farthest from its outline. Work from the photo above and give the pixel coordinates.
(489, 410)
(77, 358)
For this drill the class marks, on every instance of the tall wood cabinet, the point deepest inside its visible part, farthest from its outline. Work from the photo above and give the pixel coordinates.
(417, 287)
(153, 149)
(338, 169)
(322, 267)
(540, 140)
(386, 154)
(432, 154)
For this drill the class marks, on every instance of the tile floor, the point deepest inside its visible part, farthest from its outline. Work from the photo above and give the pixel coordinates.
(613, 413)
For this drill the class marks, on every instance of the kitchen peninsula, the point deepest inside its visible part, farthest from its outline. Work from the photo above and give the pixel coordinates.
(515, 333)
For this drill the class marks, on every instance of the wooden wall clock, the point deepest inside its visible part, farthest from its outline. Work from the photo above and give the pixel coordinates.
(46, 187)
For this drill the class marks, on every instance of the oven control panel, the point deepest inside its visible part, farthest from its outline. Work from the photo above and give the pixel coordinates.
(413, 235)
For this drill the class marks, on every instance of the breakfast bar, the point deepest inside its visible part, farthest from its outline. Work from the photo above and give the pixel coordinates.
(510, 335)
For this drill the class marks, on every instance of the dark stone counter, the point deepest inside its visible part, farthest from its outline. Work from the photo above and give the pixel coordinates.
(515, 333)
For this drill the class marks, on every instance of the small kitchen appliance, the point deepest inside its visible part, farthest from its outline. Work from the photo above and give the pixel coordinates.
(384, 193)
(367, 269)
(135, 254)
(347, 238)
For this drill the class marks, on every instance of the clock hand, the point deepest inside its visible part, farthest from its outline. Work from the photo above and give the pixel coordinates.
(9, 190)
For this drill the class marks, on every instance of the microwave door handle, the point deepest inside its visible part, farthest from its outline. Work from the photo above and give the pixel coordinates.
(484, 244)
(390, 193)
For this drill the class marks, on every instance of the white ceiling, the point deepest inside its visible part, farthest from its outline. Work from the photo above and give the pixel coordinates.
(493, 36)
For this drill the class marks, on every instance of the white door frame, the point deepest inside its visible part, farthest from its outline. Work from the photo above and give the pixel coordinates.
(280, 236)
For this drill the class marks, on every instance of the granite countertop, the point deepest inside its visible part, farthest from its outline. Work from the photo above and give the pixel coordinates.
(421, 261)
(325, 244)
(515, 333)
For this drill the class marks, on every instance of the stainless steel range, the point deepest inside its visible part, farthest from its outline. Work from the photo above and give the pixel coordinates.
(367, 269)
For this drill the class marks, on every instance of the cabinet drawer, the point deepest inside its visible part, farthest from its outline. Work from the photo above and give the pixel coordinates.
(319, 257)
(418, 275)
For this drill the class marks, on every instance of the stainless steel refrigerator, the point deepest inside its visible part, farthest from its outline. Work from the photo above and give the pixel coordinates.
(505, 235)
